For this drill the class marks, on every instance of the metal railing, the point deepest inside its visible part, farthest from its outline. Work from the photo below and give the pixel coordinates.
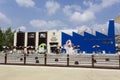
(66, 60)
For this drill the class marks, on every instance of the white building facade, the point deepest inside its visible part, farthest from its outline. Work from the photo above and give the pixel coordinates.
(30, 41)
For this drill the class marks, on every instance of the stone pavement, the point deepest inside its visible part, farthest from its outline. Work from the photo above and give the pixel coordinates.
(13, 72)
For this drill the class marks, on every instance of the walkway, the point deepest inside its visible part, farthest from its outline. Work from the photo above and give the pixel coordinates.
(10, 72)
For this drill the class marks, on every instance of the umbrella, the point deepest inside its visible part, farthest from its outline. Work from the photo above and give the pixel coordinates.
(42, 45)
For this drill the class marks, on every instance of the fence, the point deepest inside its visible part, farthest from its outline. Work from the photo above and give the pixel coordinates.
(66, 60)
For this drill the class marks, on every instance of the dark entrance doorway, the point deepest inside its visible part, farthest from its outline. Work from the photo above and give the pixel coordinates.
(53, 47)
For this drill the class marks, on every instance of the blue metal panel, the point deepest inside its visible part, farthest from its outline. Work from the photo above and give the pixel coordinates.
(93, 43)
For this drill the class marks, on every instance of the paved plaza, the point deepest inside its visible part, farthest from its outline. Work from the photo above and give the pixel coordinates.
(10, 72)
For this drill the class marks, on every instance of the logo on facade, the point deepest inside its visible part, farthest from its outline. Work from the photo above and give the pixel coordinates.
(54, 37)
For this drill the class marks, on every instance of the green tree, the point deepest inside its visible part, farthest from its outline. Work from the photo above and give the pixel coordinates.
(7, 37)
(0, 36)
(1, 39)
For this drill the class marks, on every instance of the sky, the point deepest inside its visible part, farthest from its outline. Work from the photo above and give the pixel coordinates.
(43, 15)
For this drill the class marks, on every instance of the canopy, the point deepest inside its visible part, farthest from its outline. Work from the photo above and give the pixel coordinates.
(42, 45)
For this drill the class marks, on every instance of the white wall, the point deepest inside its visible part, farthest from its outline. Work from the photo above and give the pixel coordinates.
(25, 43)
(36, 40)
(53, 37)
(15, 40)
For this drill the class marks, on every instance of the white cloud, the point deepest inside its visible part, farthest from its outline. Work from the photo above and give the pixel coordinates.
(4, 19)
(107, 3)
(85, 15)
(38, 23)
(42, 24)
(69, 31)
(77, 14)
(52, 7)
(82, 17)
(87, 3)
(69, 9)
(83, 29)
(97, 7)
(117, 28)
(103, 28)
(25, 3)
(22, 28)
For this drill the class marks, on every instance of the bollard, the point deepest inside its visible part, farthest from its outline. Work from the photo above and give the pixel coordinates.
(119, 61)
(6, 58)
(45, 59)
(92, 61)
(24, 58)
(67, 59)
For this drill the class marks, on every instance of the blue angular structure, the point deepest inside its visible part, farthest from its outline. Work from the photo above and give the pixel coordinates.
(93, 43)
